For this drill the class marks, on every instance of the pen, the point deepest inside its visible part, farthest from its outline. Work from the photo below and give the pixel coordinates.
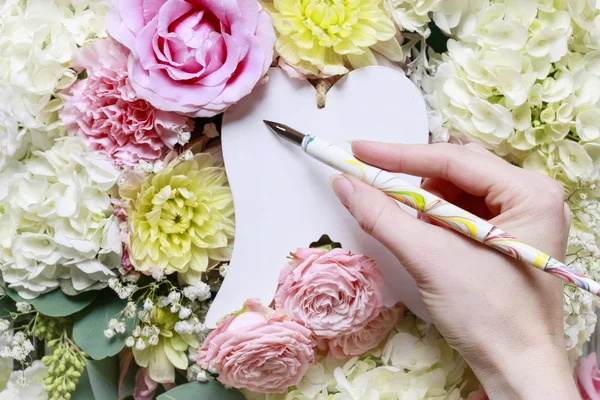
(434, 207)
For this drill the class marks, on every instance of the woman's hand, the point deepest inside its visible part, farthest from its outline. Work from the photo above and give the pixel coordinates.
(503, 316)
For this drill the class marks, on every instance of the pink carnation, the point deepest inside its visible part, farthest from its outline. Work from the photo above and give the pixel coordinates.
(587, 377)
(258, 349)
(358, 343)
(195, 57)
(104, 110)
(333, 293)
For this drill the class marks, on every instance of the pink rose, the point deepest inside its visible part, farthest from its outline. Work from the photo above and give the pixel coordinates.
(195, 57)
(332, 293)
(104, 110)
(258, 349)
(358, 343)
(587, 377)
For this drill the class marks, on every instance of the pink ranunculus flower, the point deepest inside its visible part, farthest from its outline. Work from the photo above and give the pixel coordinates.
(258, 349)
(332, 293)
(358, 343)
(104, 110)
(195, 57)
(587, 377)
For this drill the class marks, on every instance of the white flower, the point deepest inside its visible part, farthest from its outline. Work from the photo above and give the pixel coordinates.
(120, 327)
(413, 15)
(406, 351)
(4, 325)
(199, 291)
(39, 39)
(588, 124)
(173, 297)
(184, 327)
(23, 307)
(153, 340)
(130, 310)
(137, 331)
(130, 341)
(33, 376)
(109, 333)
(148, 305)
(184, 313)
(140, 344)
(59, 222)
(163, 301)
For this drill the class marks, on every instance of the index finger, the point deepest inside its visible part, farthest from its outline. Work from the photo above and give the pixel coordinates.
(471, 171)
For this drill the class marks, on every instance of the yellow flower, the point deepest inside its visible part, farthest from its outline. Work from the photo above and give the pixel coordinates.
(168, 352)
(324, 37)
(181, 218)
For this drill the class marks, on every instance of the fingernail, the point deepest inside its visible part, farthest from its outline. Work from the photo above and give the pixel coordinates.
(342, 188)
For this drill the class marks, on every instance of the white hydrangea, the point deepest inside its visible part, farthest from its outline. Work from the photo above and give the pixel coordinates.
(27, 384)
(448, 15)
(415, 362)
(413, 15)
(57, 221)
(38, 39)
(505, 83)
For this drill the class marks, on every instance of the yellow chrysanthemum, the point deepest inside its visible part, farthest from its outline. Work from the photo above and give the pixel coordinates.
(324, 37)
(181, 218)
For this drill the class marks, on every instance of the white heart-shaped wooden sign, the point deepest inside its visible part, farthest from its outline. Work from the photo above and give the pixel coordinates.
(282, 197)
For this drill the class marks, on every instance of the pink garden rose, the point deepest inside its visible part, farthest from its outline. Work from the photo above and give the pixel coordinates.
(258, 349)
(587, 377)
(104, 110)
(358, 343)
(332, 293)
(195, 57)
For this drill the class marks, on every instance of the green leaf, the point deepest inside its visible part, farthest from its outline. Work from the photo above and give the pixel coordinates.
(56, 303)
(104, 378)
(84, 388)
(7, 305)
(88, 331)
(197, 390)
(15, 296)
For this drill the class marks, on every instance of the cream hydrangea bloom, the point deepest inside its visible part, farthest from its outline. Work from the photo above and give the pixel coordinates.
(56, 221)
(326, 38)
(38, 39)
(181, 218)
(414, 15)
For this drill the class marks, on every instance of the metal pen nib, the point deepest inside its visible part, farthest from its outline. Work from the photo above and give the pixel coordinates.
(286, 132)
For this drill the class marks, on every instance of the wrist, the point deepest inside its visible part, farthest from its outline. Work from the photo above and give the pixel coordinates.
(539, 372)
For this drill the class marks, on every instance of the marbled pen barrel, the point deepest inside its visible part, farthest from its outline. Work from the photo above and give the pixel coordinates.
(444, 212)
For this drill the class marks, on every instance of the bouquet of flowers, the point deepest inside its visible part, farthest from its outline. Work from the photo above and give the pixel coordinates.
(117, 220)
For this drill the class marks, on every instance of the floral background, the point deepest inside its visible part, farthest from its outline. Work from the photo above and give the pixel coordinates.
(117, 222)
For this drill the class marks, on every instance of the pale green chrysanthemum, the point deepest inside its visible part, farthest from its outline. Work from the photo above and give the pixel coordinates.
(325, 37)
(181, 218)
(168, 351)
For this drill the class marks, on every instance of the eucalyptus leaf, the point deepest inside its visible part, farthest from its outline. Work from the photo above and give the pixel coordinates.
(7, 305)
(88, 331)
(15, 296)
(104, 378)
(196, 390)
(67, 287)
(58, 304)
(84, 388)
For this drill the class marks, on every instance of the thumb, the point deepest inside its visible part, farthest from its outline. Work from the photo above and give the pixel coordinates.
(382, 218)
